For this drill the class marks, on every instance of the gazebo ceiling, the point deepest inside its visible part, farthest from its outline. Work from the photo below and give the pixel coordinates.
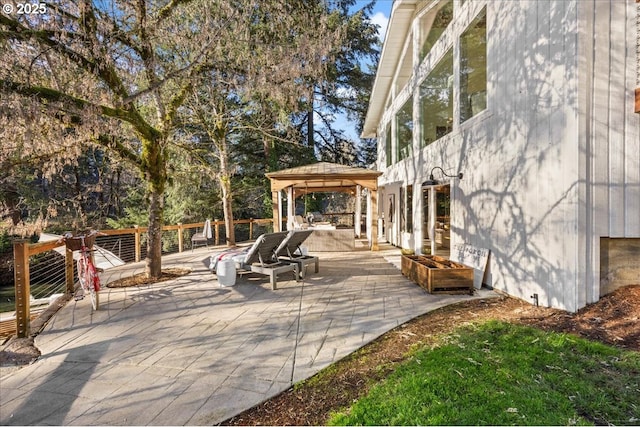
(323, 177)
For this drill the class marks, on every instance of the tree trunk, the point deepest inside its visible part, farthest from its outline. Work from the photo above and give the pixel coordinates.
(155, 162)
(310, 128)
(225, 185)
(154, 243)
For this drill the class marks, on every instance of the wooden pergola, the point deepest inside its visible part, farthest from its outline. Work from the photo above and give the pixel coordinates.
(327, 177)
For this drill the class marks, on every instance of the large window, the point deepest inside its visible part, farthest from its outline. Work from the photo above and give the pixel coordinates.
(406, 209)
(436, 220)
(473, 68)
(436, 101)
(443, 217)
(433, 24)
(404, 130)
(409, 228)
(403, 210)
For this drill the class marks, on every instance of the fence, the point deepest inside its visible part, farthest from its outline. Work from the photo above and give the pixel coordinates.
(45, 270)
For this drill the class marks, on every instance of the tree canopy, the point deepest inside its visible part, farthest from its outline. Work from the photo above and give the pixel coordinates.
(88, 84)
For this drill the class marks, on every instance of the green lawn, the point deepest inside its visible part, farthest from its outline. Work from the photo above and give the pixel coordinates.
(498, 373)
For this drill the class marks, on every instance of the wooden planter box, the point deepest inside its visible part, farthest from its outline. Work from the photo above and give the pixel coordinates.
(438, 275)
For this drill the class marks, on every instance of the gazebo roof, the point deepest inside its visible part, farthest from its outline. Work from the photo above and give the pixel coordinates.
(323, 176)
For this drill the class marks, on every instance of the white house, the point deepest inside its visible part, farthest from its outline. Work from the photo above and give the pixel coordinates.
(536, 104)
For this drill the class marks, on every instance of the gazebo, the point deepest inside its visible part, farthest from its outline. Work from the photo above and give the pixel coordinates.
(327, 177)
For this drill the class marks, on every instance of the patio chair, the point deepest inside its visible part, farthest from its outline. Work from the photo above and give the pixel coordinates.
(202, 238)
(199, 239)
(259, 258)
(300, 223)
(290, 251)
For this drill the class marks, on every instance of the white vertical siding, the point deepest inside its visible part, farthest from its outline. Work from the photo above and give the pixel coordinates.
(632, 126)
(585, 49)
(600, 118)
(618, 64)
(613, 145)
(522, 193)
(616, 150)
(553, 164)
(637, 21)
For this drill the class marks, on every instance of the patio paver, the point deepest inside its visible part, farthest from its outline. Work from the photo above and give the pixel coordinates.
(187, 351)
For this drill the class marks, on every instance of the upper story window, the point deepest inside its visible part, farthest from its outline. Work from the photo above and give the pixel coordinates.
(473, 68)
(404, 130)
(432, 25)
(436, 101)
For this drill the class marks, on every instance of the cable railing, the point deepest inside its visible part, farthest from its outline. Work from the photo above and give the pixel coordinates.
(47, 279)
(47, 270)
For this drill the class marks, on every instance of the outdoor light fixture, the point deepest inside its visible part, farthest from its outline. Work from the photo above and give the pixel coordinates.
(432, 181)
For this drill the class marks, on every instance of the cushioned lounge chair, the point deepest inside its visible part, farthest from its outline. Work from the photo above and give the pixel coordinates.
(290, 251)
(259, 258)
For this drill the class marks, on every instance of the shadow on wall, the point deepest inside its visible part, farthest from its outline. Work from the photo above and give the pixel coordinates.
(525, 200)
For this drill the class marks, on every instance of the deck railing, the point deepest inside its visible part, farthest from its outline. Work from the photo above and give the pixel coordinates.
(45, 270)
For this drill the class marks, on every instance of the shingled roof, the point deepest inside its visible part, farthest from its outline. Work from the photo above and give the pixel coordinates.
(324, 176)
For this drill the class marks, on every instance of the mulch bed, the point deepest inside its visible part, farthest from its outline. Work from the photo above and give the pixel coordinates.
(142, 279)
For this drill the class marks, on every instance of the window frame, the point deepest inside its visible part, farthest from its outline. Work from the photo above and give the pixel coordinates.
(424, 141)
(466, 107)
(404, 146)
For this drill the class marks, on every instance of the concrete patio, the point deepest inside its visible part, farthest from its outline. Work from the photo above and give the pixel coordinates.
(188, 351)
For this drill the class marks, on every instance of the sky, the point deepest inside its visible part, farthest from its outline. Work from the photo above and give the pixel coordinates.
(381, 13)
(380, 16)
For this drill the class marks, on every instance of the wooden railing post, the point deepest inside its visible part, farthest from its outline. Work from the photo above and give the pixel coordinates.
(216, 226)
(251, 229)
(22, 287)
(68, 270)
(137, 242)
(180, 237)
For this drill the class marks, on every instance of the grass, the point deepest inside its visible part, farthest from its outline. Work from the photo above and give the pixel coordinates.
(499, 373)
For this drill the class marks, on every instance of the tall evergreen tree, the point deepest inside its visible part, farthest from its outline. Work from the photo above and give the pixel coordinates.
(344, 90)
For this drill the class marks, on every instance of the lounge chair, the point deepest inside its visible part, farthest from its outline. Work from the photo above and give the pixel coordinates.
(259, 258)
(290, 251)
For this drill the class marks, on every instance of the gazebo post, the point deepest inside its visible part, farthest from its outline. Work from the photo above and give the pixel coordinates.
(357, 221)
(275, 205)
(374, 219)
(291, 207)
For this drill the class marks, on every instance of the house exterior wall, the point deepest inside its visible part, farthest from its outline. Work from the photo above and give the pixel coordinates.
(610, 133)
(553, 164)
